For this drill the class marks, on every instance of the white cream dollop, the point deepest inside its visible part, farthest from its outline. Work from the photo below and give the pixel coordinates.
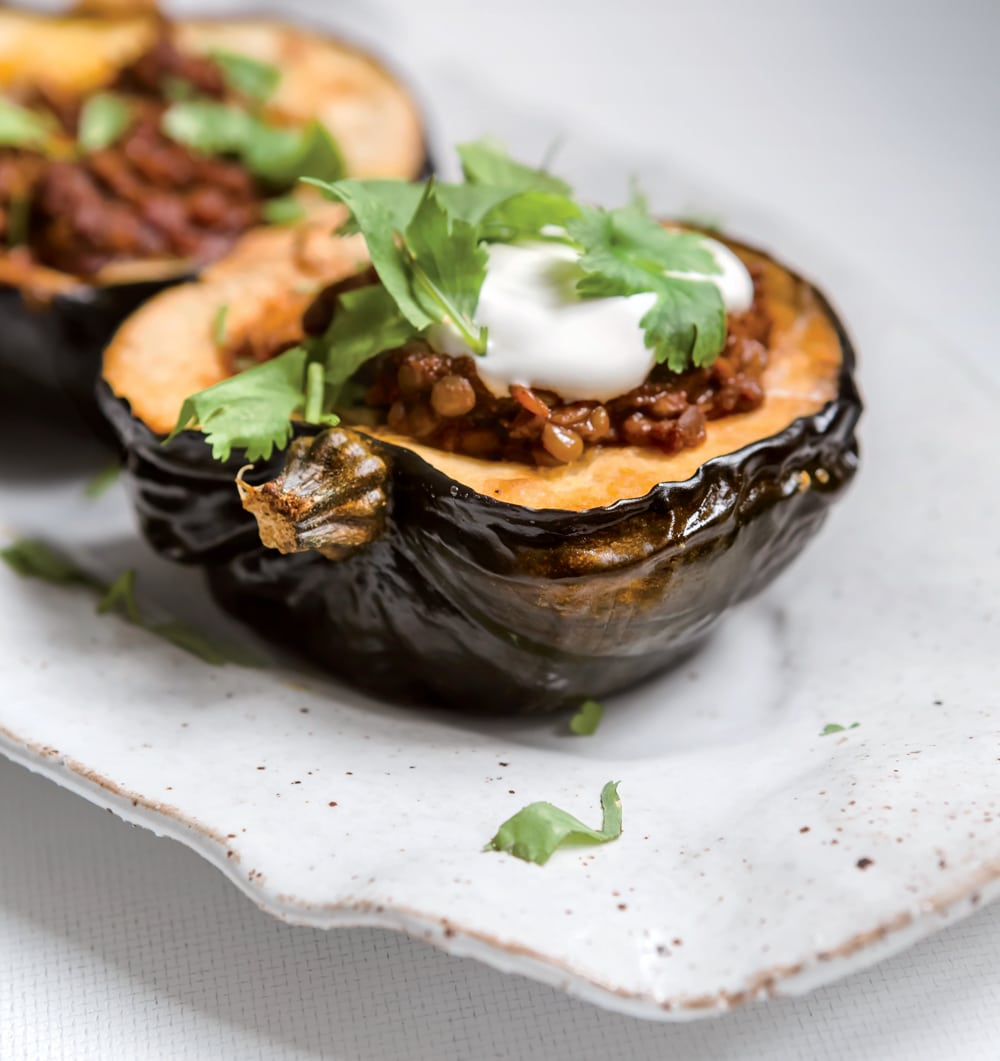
(541, 334)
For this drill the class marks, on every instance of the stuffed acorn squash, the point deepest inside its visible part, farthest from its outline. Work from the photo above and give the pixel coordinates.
(134, 150)
(533, 449)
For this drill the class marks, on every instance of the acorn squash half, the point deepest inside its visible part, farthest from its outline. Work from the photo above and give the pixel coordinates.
(55, 323)
(484, 585)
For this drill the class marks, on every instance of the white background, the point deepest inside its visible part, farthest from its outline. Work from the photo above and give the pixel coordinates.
(860, 139)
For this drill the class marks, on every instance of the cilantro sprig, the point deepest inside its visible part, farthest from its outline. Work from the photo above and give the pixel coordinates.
(34, 558)
(587, 718)
(538, 830)
(253, 411)
(429, 247)
(277, 155)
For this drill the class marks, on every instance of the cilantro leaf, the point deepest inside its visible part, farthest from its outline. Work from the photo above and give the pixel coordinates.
(282, 210)
(537, 830)
(219, 323)
(381, 209)
(176, 89)
(626, 253)
(33, 558)
(120, 597)
(207, 126)
(278, 155)
(251, 411)
(526, 216)
(103, 480)
(376, 199)
(121, 594)
(486, 162)
(835, 727)
(428, 260)
(365, 322)
(249, 77)
(448, 267)
(627, 249)
(199, 644)
(585, 722)
(103, 119)
(20, 127)
(687, 325)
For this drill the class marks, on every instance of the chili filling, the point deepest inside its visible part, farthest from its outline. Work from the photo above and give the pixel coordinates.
(440, 400)
(144, 197)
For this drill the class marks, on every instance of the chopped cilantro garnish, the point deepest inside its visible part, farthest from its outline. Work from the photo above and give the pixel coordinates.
(280, 156)
(33, 558)
(21, 127)
(537, 830)
(219, 325)
(282, 210)
(253, 410)
(486, 162)
(587, 718)
(429, 246)
(365, 318)
(103, 480)
(249, 77)
(103, 119)
(277, 155)
(120, 595)
(835, 727)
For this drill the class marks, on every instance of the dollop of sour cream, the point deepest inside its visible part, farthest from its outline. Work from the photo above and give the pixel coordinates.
(542, 334)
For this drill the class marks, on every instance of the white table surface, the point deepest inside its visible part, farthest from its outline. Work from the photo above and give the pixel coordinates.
(860, 138)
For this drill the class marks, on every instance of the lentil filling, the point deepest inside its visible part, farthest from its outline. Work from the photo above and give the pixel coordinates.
(440, 400)
(144, 197)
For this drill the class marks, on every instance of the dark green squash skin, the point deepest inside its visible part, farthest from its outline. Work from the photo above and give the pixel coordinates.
(490, 607)
(56, 346)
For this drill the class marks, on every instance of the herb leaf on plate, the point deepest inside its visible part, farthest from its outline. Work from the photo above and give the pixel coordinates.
(587, 718)
(33, 558)
(836, 727)
(103, 480)
(539, 829)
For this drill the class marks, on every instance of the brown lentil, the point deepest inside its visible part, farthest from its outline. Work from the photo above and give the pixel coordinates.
(453, 396)
(562, 443)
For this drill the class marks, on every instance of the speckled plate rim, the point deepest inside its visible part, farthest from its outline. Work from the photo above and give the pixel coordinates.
(854, 953)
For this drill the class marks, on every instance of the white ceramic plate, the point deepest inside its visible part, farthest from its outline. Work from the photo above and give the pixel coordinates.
(758, 857)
